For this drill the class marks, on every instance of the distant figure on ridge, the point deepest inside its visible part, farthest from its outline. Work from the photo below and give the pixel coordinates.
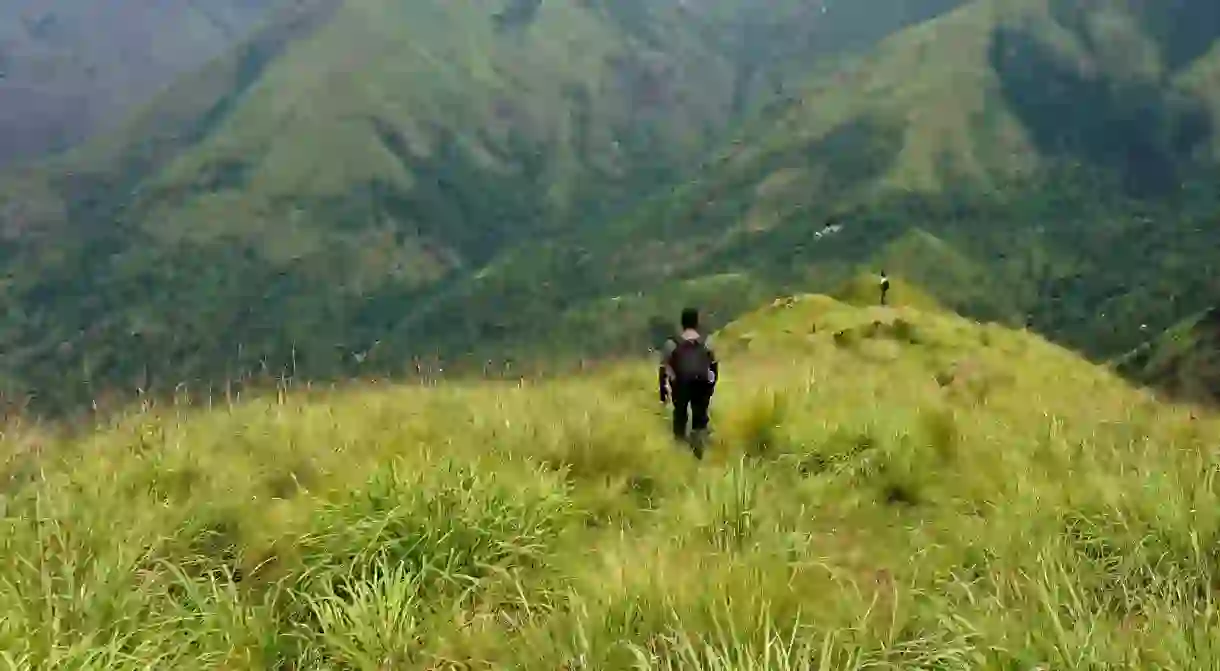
(885, 286)
(688, 375)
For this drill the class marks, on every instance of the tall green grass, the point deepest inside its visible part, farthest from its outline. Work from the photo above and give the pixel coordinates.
(855, 511)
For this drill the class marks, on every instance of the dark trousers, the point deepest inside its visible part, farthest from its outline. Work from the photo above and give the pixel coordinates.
(691, 402)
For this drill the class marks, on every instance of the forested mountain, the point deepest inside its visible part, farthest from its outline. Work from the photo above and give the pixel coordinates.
(366, 181)
(1042, 163)
(292, 202)
(70, 67)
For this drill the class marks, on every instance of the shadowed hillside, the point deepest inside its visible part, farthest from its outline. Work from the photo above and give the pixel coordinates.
(1184, 361)
(1109, 110)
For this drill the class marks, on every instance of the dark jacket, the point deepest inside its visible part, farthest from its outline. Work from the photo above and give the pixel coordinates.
(665, 374)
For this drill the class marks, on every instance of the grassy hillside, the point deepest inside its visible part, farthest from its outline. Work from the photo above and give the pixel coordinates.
(888, 489)
(1025, 161)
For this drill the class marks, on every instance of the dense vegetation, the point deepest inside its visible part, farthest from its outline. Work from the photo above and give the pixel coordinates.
(1184, 360)
(516, 195)
(888, 489)
(1056, 186)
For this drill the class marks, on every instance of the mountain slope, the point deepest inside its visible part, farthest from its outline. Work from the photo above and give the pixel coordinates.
(1184, 361)
(69, 68)
(1027, 161)
(283, 204)
(522, 180)
(354, 160)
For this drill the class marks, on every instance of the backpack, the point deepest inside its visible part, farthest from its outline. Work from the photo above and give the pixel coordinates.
(691, 361)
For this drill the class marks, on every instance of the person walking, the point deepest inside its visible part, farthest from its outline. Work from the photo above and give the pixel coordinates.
(885, 287)
(687, 376)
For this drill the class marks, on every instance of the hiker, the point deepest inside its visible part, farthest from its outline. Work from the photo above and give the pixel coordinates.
(687, 376)
(885, 286)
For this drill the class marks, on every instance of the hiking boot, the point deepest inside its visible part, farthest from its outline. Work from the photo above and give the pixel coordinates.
(698, 443)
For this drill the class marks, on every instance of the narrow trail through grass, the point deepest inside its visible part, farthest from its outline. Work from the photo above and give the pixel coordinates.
(886, 488)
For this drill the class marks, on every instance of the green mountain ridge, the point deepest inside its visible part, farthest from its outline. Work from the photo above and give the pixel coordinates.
(487, 190)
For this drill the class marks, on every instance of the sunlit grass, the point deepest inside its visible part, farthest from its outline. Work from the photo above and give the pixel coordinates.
(928, 494)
